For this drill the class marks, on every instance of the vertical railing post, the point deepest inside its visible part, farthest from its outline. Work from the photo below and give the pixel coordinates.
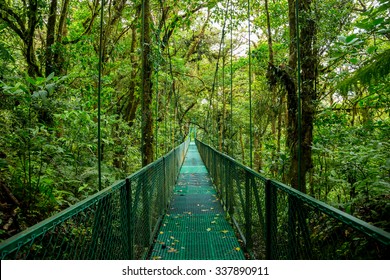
(161, 186)
(145, 208)
(165, 186)
(291, 230)
(248, 209)
(174, 162)
(130, 220)
(226, 183)
(230, 192)
(270, 220)
(214, 175)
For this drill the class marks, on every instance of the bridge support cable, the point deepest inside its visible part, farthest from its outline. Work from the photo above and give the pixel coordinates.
(300, 187)
(250, 86)
(100, 65)
(157, 86)
(231, 81)
(215, 80)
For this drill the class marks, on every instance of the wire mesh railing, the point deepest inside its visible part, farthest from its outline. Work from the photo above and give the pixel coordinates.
(118, 222)
(276, 221)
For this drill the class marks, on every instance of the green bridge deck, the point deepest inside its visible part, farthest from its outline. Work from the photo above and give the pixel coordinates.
(195, 227)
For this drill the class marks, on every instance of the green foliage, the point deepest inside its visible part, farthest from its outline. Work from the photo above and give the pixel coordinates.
(376, 69)
(352, 162)
(48, 145)
(368, 48)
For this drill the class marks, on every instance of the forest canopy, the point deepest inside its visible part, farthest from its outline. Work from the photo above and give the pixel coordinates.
(217, 66)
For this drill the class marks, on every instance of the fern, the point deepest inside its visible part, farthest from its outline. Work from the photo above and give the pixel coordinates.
(376, 69)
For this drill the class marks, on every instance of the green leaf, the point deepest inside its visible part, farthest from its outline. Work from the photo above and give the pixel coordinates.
(371, 49)
(50, 88)
(354, 60)
(50, 77)
(355, 42)
(5, 54)
(31, 80)
(40, 94)
(378, 21)
(350, 38)
(384, 31)
(363, 25)
(342, 39)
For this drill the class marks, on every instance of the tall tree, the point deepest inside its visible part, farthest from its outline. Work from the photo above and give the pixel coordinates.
(50, 37)
(301, 160)
(309, 55)
(146, 87)
(23, 18)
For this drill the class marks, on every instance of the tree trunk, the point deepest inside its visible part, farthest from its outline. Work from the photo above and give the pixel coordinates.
(292, 100)
(58, 56)
(33, 68)
(258, 149)
(308, 94)
(242, 146)
(24, 26)
(132, 100)
(50, 36)
(147, 94)
(195, 43)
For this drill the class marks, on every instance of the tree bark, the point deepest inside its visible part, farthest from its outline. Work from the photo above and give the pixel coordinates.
(17, 22)
(58, 55)
(195, 43)
(309, 95)
(132, 100)
(147, 94)
(50, 36)
(33, 68)
(309, 63)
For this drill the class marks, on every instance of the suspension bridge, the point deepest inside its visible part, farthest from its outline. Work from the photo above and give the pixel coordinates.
(196, 203)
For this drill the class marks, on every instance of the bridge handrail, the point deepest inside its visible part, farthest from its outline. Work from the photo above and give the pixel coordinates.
(21, 239)
(270, 189)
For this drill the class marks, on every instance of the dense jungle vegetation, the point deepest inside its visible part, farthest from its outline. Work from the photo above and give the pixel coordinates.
(171, 65)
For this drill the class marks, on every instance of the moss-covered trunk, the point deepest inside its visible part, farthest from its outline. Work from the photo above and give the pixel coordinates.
(146, 80)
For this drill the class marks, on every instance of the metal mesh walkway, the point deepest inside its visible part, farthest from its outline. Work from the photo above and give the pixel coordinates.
(195, 227)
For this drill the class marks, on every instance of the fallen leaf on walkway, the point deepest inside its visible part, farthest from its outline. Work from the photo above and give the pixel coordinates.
(172, 250)
(224, 231)
(209, 229)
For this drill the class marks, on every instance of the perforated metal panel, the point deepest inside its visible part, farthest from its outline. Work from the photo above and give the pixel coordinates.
(195, 227)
